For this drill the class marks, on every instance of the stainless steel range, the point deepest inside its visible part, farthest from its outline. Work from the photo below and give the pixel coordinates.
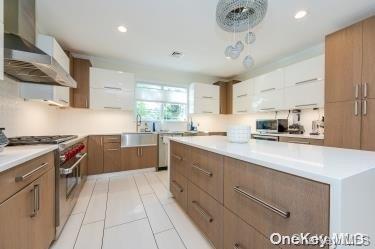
(68, 159)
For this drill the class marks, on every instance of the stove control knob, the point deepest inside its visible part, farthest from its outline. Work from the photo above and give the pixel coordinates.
(63, 158)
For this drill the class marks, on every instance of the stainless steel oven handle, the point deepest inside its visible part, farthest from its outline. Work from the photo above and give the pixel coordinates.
(70, 170)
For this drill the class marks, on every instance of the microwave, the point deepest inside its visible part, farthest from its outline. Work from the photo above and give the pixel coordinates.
(272, 125)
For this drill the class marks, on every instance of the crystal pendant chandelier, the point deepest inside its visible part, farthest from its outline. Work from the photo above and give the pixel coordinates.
(237, 16)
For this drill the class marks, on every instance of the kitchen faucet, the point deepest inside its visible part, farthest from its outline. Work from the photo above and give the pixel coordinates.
(138, 121)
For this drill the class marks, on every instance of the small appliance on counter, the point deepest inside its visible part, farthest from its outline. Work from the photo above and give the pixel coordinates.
(3, 139)
(272, 125)
(296, 127)
(239, 134)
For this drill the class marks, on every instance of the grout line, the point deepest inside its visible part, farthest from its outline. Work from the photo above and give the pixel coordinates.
(148, 219)
(80, 227)
(165, 230)
(105, 213)
(183, 243)
(106, 228)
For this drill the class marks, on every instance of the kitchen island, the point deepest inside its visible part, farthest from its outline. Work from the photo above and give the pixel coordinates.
(273, 187)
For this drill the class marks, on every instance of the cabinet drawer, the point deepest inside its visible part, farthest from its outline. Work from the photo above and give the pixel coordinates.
(206, 171)
(180, 157)
(18, 177)
(293, 140)
(178, 187)
(239, 235)
(272, 201)
(207, 214)
(111, 146)
(111, 139)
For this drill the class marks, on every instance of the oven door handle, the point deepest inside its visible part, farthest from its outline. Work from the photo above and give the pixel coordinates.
(70, 170)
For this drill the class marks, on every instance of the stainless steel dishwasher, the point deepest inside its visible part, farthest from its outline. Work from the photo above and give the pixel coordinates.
(163, 148)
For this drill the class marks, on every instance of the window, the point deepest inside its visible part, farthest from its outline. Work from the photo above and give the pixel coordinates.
(161, 102)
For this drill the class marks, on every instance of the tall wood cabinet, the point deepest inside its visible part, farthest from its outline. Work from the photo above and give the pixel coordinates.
(350, 87)
(226, 95)
(95, 155)
(80, 70)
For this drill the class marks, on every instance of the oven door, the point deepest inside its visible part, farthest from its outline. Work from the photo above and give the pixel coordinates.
(69, 185)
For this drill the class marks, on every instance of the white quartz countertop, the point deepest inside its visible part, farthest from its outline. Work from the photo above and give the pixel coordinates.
(16, 155)
(305, 136)
(322, 164)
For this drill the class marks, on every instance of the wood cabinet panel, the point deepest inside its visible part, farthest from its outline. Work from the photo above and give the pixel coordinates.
(293, 140)
(306, 202)
(238, 234)
(206, 171)
(112, 139)
(180, 157)
(80, 96)
(39, 166)
(179, 188)
(342, 126)
(130, 158)
(112, 157)
(343, 64)
(368, 126)
(95, 155)
(149, 157)
(139, 157)
(207, 214)
(368, 76)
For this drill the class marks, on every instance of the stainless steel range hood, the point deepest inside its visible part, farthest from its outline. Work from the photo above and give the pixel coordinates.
(23, 61)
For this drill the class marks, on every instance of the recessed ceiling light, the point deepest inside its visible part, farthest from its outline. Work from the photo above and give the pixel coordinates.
(122, 29)
(300, 14)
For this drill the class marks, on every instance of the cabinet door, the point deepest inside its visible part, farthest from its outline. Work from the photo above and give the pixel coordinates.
(61, 95)
(81, 73)
(305, 71)
(270, 101)
(43, 227)
(206, 91)
(112, 157)
(149, 156)
(368, 125)
(16, 221)
(101, 78)
(270, 81)
(368, 57)
(342, 125)
(206, 106)
(343, 54)
(306, 95)
(95, 155)
(111, 98)
(130, 158)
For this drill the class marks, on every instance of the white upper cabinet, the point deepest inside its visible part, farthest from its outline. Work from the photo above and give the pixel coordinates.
(304, 96)
(1, 39)
(269, 82)
(2, 11)
(204, 99)
(111, 89)
(269, 101)
(305, 71)
(242, 97)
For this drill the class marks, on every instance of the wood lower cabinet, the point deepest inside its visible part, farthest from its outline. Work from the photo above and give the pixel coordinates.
(179, 187)
(139, 157)
(273, 201)
(95, 155)
(292, 140)
(207, 214)
(239, 235)
(112, 157)
(180, 158)
(28, 217)
(368, 126)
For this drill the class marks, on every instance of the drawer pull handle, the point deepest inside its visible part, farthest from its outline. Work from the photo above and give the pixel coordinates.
(307, 81)
(242, 95)
(177, 157)
(237, 246)
(207, 97)
(180, 189)
(268, 90)
(298, 142)
(113, 149)
(306, 105)
(202, 212)
(284, 214)
(36, 201)
(25, 176)
(203, 171)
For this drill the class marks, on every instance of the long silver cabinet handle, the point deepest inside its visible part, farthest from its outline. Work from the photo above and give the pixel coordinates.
(356, 94)
(180, 189)
(242, 95)
(203, 171)
(356, 105)
(202, 212)
(307, 81)
(242, 111)
(365, 90)
(306, 105)
(298, 142)
(36, 201)
(70, 170)
(112, 149)
(112, 107)
(207, 112)
(364, 109)
(282, 213)
(113, 88)
(268, 90)
(207, 97)
(177, 157)
(29, 174)
(268, 109)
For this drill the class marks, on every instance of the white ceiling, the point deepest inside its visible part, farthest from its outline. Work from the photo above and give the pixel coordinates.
(157, 27)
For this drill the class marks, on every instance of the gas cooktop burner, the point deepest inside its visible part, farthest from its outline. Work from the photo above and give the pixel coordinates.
(33, 140)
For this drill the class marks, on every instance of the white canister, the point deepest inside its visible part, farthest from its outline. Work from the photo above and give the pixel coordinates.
(239, 134)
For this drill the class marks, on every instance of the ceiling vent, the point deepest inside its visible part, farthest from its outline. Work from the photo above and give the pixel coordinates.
(177, 54)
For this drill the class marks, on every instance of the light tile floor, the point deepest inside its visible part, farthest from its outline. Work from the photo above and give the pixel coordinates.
(129, 210)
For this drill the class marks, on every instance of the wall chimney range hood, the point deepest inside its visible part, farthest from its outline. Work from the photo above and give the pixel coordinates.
(23, 61)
